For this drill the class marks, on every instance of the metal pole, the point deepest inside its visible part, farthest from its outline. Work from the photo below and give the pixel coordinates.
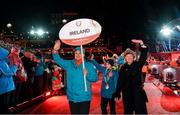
(85, 85)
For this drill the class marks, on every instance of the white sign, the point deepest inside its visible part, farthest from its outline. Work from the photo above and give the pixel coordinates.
(80, 32)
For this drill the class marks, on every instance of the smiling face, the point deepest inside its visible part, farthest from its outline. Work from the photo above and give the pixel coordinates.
(77, 55)
(129, 58)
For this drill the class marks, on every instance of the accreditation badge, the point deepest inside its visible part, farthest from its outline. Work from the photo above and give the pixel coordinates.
(107, 86)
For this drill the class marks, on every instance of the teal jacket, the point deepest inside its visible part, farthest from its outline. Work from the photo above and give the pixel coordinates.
(6, 73)
(39, 69)
(120, 60)
(75, 79)
(107, 93)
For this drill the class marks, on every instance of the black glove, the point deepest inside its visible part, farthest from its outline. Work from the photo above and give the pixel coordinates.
(117, 95)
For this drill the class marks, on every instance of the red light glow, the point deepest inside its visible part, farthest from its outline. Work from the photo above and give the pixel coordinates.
(48, 93)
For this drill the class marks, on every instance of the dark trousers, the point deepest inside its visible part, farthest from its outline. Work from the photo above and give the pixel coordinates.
(38, 85)
(104, 102)
(16, 94)
(4, 102)
(143, 77)
(135, 103)
(79, 107)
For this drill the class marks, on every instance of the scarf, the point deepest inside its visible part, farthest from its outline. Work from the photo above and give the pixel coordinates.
(78, 62)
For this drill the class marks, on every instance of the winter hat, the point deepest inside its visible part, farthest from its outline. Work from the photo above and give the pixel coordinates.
(79, 49)
(110, 61)
(4, 53)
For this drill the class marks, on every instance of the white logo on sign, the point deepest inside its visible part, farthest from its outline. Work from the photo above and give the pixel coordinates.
(78, 23)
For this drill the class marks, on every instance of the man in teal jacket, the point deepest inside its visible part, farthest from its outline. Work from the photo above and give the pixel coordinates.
(79, 99)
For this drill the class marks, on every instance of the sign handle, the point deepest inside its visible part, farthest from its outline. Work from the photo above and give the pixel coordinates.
(82, 54)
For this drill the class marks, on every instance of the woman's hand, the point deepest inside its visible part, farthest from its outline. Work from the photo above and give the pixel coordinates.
(137, 41)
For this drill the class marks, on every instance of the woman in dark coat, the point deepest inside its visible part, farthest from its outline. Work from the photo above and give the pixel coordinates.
(130, 82)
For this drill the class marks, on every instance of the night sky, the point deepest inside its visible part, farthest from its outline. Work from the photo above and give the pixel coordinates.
(126, 19)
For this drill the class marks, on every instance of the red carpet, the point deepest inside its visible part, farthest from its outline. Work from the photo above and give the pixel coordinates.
(159, 103)
(169, 100)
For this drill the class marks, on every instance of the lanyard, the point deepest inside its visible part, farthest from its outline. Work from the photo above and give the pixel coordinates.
(106, 77)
